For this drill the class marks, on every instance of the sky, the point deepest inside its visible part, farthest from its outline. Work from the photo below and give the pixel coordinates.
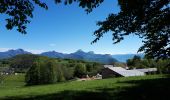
(66, 29)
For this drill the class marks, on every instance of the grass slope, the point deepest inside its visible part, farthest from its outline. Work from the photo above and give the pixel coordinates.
(154, 87)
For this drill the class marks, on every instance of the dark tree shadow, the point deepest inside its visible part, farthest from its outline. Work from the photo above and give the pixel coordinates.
(154, 89)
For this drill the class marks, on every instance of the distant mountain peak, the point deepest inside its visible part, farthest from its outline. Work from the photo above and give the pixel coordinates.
(12, 52)
(79, 54)
(91, 52)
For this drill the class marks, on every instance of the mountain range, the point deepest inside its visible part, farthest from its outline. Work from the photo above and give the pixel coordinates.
(79, 54)
(12, 53)
(125, 57)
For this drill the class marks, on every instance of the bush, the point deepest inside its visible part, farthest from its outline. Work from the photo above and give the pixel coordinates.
(43, 71)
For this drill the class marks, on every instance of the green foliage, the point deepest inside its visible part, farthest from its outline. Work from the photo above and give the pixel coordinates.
(12, 82)
(80, 70)
(60, 73)
(19, 12)
(4, 62)
(119, 64)
(88, 5)
(21, 63)
(135, 62)
(89, 67)
(69, 66)
(68, 71)
(129, 88)
(1, 78)
(43, 71)
(93, 68)
(163, 65)
(146, 18)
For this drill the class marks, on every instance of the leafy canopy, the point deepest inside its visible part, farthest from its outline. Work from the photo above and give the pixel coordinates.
(149, 19)
(19, 12)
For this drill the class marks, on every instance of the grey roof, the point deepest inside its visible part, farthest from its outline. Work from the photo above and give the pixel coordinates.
(147, 70)
(123, 72)
(105, 66)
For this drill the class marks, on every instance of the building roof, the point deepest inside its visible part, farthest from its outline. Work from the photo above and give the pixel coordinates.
(105, 66)
(147, 70)
(123, 72)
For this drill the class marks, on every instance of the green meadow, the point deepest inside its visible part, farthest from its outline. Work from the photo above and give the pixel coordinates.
(151, 87)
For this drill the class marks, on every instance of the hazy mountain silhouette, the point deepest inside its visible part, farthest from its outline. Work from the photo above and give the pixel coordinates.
(11, 53)
(79, 54)
(124, 57)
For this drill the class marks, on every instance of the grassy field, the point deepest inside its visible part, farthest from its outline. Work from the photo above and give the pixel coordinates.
(153, 87)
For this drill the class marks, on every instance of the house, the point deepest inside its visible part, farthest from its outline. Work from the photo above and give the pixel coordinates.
(7, 71)
(110, 71)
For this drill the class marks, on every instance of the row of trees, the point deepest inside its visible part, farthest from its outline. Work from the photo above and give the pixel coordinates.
(44, 70)
(163, 65)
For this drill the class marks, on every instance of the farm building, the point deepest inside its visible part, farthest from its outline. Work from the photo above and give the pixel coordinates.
(110, 71)
(148, 70)
(6, 71)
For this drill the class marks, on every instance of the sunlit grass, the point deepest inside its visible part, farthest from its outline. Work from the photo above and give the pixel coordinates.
(13, 86)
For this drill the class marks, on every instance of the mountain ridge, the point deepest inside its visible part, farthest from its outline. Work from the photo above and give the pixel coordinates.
(124, 57)
(79, 54)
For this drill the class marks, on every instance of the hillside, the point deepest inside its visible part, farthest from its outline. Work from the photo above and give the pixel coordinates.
(132, 88)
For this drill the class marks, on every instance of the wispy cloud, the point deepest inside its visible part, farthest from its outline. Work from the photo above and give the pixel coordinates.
(4, 49)
(35, 51)
(52, 44)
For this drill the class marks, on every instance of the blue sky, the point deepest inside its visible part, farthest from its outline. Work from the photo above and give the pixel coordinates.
(66, 29)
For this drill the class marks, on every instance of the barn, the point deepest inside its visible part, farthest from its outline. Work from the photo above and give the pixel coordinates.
(110, 71)
(148, 70)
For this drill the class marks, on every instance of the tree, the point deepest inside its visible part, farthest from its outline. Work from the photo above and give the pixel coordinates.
(21, 63)
(60, 73)
(80, 70)
(136, 62)
(43, 71)
(149, 19)
(89, 67)
(19, 12)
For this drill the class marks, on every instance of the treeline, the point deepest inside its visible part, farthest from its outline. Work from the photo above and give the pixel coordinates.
(163, 65)
(4, 63)
(44, 70)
